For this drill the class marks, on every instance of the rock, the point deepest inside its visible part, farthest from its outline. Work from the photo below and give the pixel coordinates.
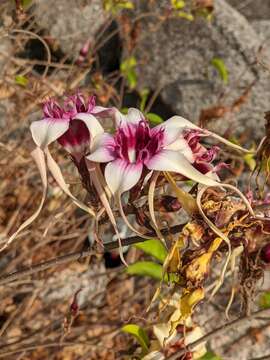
(176, 56)
(70, 22)
(63, 285)
(259, 9)
(262, 27)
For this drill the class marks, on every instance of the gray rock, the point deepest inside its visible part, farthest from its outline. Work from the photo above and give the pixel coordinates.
(262, 27)
(259, 9)
(177, 57)
(70, 22)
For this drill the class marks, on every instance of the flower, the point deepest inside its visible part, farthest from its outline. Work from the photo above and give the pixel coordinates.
(265, 253)
(202, 157)
(135, 145)
(173, 334)
(72, 125)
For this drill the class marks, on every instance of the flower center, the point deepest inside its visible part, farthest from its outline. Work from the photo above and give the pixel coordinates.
(137, 142)
(78, 104)
(76, 138)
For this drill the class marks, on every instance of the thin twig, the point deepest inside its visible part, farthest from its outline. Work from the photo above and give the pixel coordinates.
(216, 332)
(6, 278)
(32, 34)
(266, 357)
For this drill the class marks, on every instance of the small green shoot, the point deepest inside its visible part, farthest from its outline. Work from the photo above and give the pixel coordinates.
(140, 335)
(21, 80)
(221, 68)
(128, 70)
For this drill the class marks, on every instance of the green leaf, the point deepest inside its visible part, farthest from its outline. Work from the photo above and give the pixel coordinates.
(210, 356)
(153, 247)
(151, 269)
(26, 3)
(132, 79)
(185, 15)
(21, 80)
(128, 70)
(154, 118)
(146, 268)
(250, 161)
(114, 6)
(178, 4)
(139, 333)
(144, 96)
(220, 66)
(264, 300)
(124, 110)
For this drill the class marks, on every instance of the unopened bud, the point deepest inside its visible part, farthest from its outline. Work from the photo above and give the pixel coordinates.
(265, 253)
(170, 203)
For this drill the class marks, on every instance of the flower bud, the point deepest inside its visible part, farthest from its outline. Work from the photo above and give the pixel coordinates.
(170, 203)
(265, 253)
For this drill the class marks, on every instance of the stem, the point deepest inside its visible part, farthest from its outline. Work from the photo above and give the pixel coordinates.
(219, 331)
(27, 271)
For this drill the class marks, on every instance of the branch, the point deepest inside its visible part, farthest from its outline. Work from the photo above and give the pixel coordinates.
(266, 357)
(237, 322)
(7, 278)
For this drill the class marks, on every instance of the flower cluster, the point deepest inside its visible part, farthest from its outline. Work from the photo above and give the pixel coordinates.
(72, 124)
(134, 146)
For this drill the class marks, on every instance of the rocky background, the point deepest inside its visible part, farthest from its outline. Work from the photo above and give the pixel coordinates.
(176, 56)
(174, 61)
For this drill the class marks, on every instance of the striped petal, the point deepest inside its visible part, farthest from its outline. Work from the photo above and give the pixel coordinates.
(47, 130)
(122, 176)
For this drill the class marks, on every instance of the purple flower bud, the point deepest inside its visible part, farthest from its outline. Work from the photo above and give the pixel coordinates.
(170, 203)
(84, 50)
(265, 253)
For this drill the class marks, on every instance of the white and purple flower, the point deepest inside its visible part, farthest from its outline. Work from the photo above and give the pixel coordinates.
(203, 157)
(135, 145)
(73, 125)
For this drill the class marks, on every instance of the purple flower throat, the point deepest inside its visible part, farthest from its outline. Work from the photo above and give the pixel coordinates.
(137, 143)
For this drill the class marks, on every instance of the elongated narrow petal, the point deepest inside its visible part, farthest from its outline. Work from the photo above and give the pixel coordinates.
(122, 176)
(57, 175)
(168, 160)
(91, 122)
(47, 130)
(134, 116)
(39, 158)
(102, 148)
(178, 122)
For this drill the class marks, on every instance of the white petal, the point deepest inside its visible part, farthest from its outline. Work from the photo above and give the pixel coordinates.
(154, 355)
(47, 130)
(171, 135)
(102, 148)
(168, 160)
(162, 333)
(178, 122)
(39, 158)
(133, 116)
(102, 111)
(91, 122)
(122, 176)
(182, 146)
